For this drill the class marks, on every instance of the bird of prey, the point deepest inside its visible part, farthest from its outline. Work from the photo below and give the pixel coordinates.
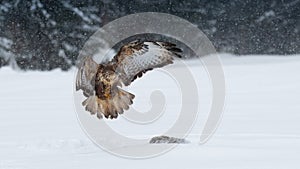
(101, 83)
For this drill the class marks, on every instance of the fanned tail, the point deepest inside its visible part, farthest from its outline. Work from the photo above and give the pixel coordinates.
(110, 108)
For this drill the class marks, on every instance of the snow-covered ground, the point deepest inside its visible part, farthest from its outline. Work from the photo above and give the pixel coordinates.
(260, 127)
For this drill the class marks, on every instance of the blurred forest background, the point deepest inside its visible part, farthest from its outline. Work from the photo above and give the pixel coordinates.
(44, 34)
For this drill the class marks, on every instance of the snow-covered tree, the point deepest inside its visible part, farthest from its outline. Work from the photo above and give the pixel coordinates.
(43, 34)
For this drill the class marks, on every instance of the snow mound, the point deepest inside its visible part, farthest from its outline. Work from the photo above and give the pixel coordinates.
(167, 140)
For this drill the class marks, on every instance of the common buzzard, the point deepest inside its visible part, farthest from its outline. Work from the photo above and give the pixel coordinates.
(101, 83)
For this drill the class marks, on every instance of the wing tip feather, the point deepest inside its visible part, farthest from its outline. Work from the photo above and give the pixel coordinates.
(172, 47)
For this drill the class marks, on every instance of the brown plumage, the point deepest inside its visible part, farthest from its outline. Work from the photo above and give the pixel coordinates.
(101, 83)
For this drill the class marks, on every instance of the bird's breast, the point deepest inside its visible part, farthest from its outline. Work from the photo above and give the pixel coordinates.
(105, 84)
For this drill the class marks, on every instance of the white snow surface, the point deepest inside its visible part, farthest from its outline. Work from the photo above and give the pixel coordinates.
(260, 128)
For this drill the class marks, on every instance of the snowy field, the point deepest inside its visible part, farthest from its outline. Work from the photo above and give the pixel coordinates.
(260, 128)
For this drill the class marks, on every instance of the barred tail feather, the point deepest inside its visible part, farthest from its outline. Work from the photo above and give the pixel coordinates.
(110, 108)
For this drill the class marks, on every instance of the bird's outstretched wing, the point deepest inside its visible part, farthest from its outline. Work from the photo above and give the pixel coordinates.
(136, 58)
(85, 79)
